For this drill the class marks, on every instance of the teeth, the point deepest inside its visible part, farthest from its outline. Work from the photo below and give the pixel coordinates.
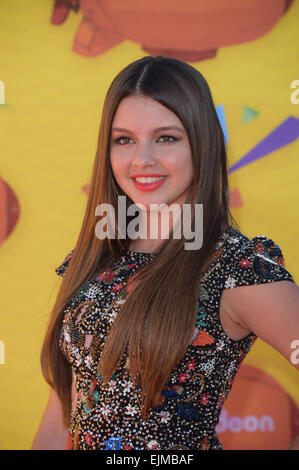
(140, 179)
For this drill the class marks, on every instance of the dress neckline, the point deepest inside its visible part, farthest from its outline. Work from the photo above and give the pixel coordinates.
(148, 255)
(137, 254)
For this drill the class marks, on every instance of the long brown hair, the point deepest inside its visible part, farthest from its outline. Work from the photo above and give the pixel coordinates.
(157, 320)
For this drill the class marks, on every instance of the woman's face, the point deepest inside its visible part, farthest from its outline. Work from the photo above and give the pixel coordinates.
(140, 148)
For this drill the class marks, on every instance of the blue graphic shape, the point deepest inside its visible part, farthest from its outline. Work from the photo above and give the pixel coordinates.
(221, 116)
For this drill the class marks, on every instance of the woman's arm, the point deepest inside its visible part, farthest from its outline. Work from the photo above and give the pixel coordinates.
(271, 312)
(51, 434)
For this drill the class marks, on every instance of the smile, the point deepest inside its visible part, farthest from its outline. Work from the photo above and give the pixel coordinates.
(148, 183)
(141, 179)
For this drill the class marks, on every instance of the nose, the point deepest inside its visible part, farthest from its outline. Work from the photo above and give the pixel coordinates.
(144, 155)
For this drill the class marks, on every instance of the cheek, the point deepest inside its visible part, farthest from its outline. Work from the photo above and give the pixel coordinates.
(118, 165)
(181, 166)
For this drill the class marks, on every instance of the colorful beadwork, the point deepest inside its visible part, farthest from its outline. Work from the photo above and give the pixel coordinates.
(107, 416)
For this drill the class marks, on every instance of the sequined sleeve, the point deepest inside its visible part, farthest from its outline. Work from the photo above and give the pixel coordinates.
(61, 269)
(254, 261)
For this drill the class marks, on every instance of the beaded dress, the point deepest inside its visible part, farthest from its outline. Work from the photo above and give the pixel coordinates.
(107, 416)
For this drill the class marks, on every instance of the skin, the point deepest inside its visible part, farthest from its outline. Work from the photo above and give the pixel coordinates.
(141, 148)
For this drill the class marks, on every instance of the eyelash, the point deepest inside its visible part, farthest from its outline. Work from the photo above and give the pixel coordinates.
(125, 137)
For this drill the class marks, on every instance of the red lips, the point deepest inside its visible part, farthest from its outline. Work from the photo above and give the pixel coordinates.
(145, 175)
(145, 187)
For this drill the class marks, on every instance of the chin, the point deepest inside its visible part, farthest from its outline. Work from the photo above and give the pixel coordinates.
(148, 204)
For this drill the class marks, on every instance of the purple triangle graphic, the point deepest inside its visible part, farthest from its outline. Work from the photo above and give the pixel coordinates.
(283, 135)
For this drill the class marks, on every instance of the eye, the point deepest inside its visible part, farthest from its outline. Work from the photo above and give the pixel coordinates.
(118, 140)
(122, 140)
(168, 137)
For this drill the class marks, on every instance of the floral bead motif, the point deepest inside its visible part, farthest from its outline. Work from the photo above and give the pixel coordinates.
(113, 443)
(188, 411)
(268, 257)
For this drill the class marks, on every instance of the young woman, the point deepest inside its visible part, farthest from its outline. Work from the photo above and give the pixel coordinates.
(146, 336)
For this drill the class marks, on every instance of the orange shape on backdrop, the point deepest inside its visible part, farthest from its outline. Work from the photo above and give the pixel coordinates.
(203, 27)
(3, 217)
(258, 413)
(9, 210)
(235, 198)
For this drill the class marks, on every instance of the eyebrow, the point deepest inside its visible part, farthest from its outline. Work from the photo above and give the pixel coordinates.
(163, 128)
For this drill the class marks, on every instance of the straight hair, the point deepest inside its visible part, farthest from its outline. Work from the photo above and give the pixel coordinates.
(156, 322)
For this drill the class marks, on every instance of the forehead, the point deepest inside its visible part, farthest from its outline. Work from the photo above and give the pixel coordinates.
(137, 110)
